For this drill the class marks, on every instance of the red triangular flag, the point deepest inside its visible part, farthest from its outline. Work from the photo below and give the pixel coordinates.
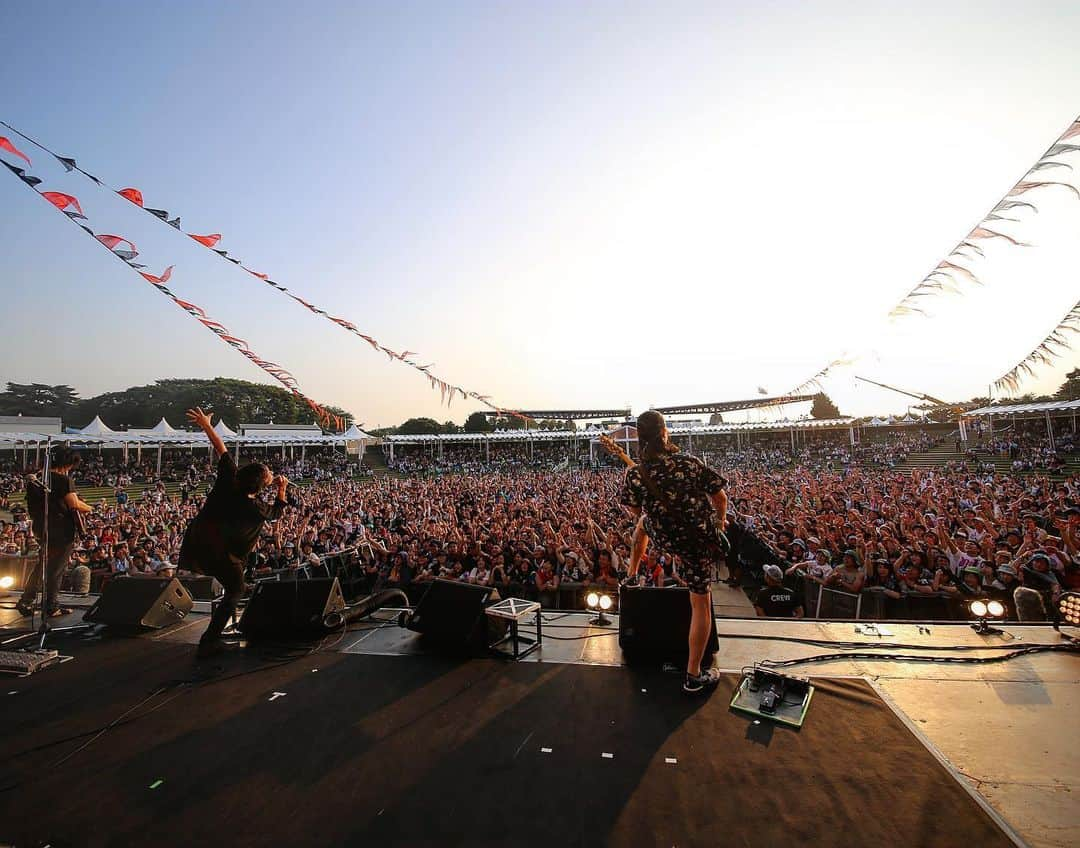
(132, 194)
(209, 240)
(61, 201)
(11, 148)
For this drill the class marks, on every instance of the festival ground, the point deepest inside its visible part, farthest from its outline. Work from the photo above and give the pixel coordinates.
(372, 738)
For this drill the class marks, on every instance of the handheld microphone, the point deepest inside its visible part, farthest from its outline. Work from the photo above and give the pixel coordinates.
(292, 496)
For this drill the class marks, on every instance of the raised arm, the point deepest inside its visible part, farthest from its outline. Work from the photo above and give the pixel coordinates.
(201, 420)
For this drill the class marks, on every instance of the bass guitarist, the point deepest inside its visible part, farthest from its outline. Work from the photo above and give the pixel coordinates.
(57, 535)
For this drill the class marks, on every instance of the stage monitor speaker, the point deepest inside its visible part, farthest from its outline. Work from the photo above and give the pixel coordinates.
(654, 625)
(141, 603)
(450, 617)
(291, 608)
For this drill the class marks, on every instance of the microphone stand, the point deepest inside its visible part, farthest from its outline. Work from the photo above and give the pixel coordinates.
(44, 630)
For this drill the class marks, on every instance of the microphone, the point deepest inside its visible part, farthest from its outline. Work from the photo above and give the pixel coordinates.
(292, 496)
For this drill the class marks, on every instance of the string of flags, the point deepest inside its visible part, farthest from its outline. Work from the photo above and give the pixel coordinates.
(815, 381)
(949, 275)
(1049, 349)
(447, 390)
(69, 205)
(952, 273)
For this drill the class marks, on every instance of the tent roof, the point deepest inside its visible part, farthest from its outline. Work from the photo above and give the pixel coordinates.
(223, 429)
(354, 433)
(163, 428)
(97, 427)
(1050, 406)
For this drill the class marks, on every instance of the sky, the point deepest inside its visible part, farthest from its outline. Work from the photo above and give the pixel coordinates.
(557, 204)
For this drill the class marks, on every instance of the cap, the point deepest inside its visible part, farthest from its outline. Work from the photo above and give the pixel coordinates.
(774, 572)
(1007, 569)
(851, 553)
(799, 542)
(1041, 556)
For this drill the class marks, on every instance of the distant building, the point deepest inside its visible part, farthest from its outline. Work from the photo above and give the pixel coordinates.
(300, 431)
(30, 424)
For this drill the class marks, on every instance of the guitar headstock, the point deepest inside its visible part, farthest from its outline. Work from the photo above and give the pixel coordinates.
(609, 444)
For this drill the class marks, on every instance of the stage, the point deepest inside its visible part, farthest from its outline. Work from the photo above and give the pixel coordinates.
(366, 738)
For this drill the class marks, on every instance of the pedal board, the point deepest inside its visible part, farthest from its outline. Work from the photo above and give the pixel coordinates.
(24, 663)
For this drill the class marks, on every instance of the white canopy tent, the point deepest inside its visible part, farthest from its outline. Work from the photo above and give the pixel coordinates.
(97, 427)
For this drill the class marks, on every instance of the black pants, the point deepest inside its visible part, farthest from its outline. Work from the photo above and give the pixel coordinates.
(55, 562)
(231, 577)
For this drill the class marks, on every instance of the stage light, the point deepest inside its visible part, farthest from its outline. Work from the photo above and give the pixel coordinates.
(7, 581)
(981, 609)
(592, 600)
(605, 602)
(1069, 608)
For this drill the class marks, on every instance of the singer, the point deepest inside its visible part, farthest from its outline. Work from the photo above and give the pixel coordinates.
(220, 537)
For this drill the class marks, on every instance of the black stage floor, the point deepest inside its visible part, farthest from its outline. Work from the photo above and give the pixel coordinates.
(373, 750)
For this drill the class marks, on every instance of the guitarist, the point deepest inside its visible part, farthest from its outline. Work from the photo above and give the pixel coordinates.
(64, 523)
(685, 509)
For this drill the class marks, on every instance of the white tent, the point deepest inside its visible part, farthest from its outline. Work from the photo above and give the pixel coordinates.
(97, 427)
(163, 428)
(354, 434)
(222, 429)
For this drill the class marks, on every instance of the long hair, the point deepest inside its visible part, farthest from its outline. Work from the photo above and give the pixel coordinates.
(652, 436)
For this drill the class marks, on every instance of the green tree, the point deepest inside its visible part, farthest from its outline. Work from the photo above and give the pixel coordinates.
(1070, 389)
(823, 407)
(37, 399)
(419, 427)
(449, 428)
(477, 422)
(237, 401)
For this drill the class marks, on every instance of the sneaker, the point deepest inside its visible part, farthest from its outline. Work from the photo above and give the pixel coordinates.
(25, 610)
(695, 683)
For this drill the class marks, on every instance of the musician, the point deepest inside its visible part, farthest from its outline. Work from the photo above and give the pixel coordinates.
(683, 503)
(64, 505)
(220, 537)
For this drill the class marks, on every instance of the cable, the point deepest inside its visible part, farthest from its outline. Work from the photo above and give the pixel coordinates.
(829, 643)
(1017, 652)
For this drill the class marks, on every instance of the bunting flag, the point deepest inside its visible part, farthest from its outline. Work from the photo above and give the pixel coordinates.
(110, 242)
(135, 196)
(1048, 350)
(11, 148)
(61, 201)
(947, 275)
(815, 381)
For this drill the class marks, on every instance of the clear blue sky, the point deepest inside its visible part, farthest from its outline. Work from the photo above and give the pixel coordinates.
(557, 203)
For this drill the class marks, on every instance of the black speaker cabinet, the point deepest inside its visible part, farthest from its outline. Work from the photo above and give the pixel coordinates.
(291, 608)
(140, 603)
(450, 616)
(654, 625)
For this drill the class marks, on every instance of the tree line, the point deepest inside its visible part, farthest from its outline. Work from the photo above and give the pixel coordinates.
(237, 401)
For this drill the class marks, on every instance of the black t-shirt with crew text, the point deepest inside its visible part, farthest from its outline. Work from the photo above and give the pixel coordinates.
(778, 601)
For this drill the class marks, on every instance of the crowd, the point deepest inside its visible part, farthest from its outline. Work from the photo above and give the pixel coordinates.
(821, 519)
(465, 458)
